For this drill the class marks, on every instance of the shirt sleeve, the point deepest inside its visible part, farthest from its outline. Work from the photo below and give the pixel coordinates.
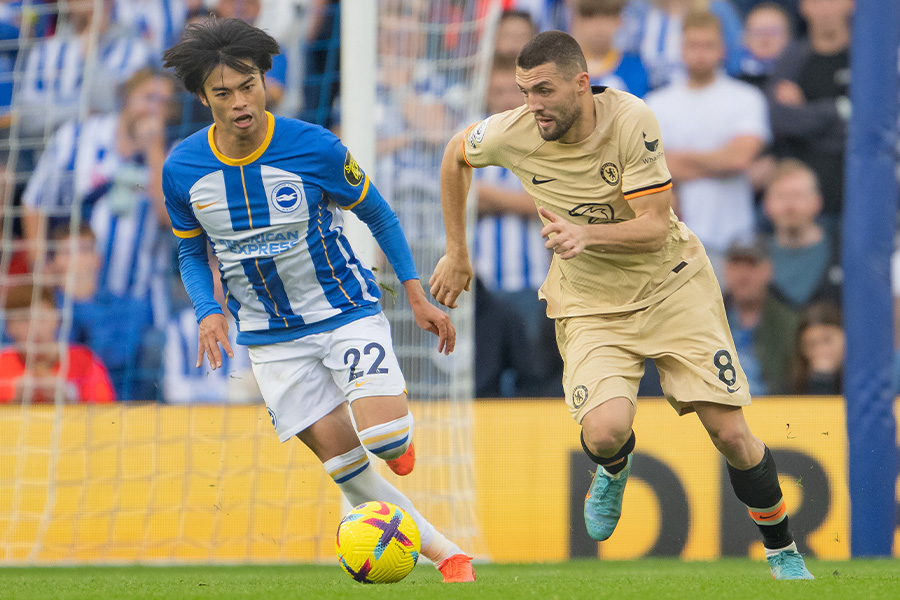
(340, 177)
(482, 142)
(644, 168)
(184, 222)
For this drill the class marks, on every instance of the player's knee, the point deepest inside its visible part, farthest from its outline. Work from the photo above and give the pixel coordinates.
(731, 441)
(606, 439)
(388, 440)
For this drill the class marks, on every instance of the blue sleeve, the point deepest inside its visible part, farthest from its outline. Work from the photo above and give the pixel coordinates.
(196, 275)
(385, 226)
(184, 223)
(340, 177)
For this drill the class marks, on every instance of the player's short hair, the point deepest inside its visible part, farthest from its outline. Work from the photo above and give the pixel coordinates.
(555, 47)
(230, 42)
(701, 19)
(791, 166)
(587, 9)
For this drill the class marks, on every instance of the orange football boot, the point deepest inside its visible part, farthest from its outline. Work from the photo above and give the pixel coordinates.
(403, 465)
(457, 569)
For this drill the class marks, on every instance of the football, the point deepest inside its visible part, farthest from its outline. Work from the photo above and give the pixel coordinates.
(377, 542)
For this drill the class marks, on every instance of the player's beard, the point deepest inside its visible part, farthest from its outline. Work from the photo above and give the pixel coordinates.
(563, 121)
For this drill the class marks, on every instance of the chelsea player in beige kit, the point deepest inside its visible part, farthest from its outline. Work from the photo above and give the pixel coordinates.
(628, 280)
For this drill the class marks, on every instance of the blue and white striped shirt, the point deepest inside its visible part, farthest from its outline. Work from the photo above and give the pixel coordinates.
(79, 168)
(274, 220)
(157, 22)
(50, 91)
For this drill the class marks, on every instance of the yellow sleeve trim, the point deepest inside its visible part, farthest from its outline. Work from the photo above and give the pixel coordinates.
(361, 196)
(646, 191)
(466, 135)
(187, 234)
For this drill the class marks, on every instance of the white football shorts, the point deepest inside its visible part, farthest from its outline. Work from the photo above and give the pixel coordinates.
(305, 379)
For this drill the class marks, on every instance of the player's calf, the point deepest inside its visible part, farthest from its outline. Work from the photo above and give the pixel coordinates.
(758, 488)
(392, 442)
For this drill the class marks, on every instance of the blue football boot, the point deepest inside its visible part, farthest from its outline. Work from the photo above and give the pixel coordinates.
(788, 564)
(603, 503)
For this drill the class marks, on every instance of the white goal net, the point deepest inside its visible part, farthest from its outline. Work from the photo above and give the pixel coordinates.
(151, 479)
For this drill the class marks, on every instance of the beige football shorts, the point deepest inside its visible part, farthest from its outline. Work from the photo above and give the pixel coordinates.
(687, 336)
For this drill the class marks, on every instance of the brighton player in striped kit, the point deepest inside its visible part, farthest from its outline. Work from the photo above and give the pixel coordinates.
(267, 192)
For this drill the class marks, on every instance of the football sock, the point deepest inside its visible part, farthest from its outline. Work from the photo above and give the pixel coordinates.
(362, 484)
(612, 464)
(774, 551)
(388, 440)
(758, 488)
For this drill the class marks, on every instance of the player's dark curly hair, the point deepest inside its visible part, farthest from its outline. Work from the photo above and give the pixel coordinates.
(553, 47)
(231, 42)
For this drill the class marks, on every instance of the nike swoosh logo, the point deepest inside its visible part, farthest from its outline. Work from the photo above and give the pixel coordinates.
(363, 382)
(537, 181)
(768, 516)
(732, 390)
(202, 206)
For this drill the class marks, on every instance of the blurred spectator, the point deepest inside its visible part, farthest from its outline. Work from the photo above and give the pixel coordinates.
(653, 30)
(594, 26)
(809, 98)
(29, 371)
(115, 154)
(158, 22)
(545, 14)
(745, 7)
(761, 324)
(806, 257)
(713, 127)
(819, 351)
(107, 171)
(184, 382)
(514, 340)
(767, 32)
(58, 69)
(514, 29)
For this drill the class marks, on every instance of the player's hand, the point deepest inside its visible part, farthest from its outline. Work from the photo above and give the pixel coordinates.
(213, 331)
(451, 276)
(430, 317)
(563, 237)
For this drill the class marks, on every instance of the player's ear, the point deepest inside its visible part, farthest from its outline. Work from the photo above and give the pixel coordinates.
(203, 100)
(583, 83)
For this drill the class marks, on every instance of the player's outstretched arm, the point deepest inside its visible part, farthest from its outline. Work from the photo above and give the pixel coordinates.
(429, 317)
(453, 272)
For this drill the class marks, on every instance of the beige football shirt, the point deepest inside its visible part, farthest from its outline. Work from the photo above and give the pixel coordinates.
(591, 182)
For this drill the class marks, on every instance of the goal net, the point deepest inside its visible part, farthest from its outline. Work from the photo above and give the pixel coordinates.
(151, 480)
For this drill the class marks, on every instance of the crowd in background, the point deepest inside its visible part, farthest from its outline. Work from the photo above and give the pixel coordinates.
(751, 95)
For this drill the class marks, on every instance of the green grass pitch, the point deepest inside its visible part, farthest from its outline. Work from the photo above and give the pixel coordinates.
(650, 579)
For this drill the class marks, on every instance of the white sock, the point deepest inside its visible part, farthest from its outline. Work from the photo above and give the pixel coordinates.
(388, 440)
(360, 483)
(774, 551)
